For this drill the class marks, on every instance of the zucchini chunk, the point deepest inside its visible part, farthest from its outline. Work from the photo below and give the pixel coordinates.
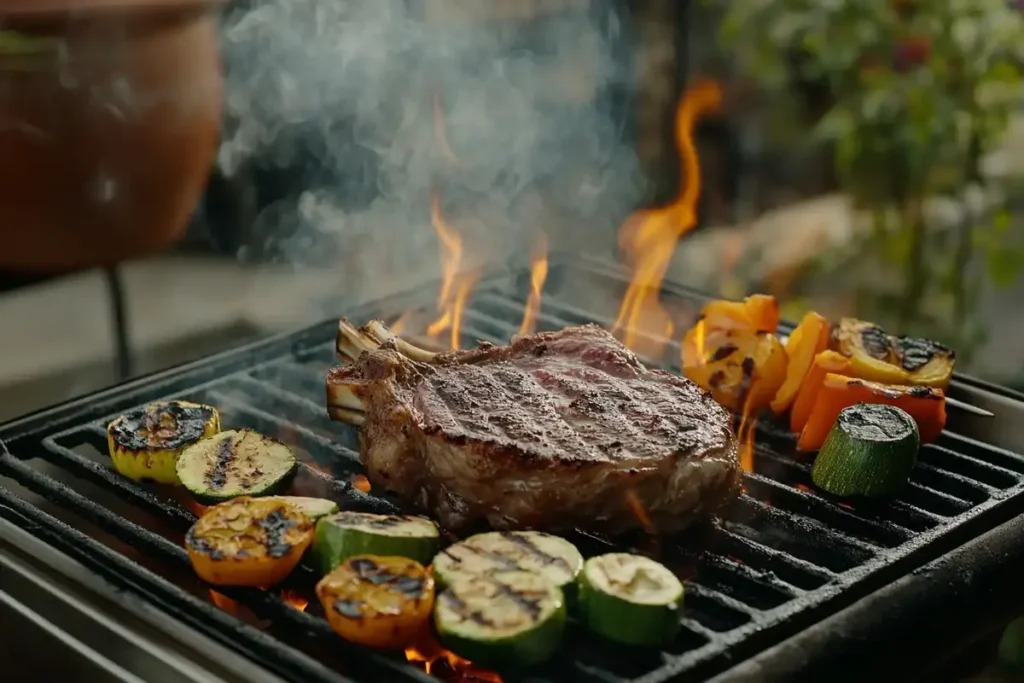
(145, 442)
(235, 463)
(504, 619)
(554, 557)
(631, 599)
(382, 602)
(315, 508)
(345, 534)
(870, 451)
(248, 542)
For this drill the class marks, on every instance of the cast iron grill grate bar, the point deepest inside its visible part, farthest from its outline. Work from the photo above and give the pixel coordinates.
(778, 554)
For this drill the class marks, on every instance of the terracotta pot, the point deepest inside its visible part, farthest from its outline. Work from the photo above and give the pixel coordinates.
(109, 122)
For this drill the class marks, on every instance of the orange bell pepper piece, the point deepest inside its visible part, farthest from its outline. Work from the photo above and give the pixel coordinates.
(740, 367)
(757, 313)
(808, 340)
(824, 363)
(927, 405)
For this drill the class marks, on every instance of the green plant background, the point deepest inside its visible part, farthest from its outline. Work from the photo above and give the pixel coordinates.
(920, 93)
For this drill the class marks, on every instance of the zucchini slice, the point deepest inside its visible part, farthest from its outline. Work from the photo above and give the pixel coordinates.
(631, 599)
(554, 557)
(870, 451)
(345, 534)
(235, 463)
(315, 508)
(382, 602)
(248, 542)
(145, 442)
(503, 619)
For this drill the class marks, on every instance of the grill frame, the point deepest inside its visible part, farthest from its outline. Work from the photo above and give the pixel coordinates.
(763, 630)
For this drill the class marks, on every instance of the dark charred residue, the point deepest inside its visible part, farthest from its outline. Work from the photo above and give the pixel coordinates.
(161, 426)
(350, 609)
(524, 542)
(747, 366)
(529, 605)
(875, 342)
(217, 476)
(716, 379)
(380, 522)
(540, 349)
(923, 392)
(875, 421)
(411, 586)
(723, 352)
(914, 353)
(201, 545)
(276, 526)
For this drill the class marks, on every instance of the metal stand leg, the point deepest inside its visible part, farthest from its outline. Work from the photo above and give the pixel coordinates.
(115, 288)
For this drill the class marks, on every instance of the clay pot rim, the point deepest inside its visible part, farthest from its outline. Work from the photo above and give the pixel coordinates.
(52, 10)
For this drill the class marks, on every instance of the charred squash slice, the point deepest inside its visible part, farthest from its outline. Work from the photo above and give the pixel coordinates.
(879, 357)
(235, 463)
(248, 542)
(926, 405)
(382, 602)
(740, 368)
(349, 533)
(145, 443)
(808, 340)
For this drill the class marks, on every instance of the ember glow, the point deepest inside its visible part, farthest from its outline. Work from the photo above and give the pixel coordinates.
(447, 665)
(648, 237)
(456, 286)
(360, 483)
(295, 600)
(538, 274)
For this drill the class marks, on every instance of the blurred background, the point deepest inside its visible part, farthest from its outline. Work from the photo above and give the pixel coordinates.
(866, 160)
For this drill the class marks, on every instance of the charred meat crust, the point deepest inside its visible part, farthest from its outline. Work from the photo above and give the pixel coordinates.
(551, 431)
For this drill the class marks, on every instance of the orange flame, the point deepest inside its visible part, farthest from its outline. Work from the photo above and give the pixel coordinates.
(295, 600)
(400, 322)
(447, 665)
(360, 483)
(455, 286)
(224, 602)
(538, 274)
(745, 436)
(198, 508)
(649, 237)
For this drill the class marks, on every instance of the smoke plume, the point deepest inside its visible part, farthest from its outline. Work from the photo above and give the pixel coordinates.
(370, 106)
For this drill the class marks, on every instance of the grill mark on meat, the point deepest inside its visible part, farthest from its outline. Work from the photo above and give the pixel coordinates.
(551, 442)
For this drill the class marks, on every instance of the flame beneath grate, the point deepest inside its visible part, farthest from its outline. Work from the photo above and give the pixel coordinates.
(447, 665)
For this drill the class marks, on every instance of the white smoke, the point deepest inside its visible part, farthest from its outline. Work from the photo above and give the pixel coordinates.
(347, 90)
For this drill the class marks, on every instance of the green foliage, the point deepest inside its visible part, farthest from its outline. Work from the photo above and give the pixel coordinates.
(921, 91)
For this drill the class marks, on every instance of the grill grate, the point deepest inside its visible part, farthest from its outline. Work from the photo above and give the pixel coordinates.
(782, 557)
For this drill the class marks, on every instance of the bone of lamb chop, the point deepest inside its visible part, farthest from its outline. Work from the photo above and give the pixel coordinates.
(555, 431)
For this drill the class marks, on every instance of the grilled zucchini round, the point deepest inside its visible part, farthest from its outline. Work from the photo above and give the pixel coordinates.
(382, 602)
(235, 463)
(341, 536)
(248, 542)
(145, 442)
(502, 619)
(533, 551)
(630, 599)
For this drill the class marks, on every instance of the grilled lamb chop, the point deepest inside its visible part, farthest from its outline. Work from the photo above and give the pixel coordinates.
(555, 431)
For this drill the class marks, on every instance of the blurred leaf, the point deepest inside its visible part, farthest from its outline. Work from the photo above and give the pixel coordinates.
(1004, 265)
